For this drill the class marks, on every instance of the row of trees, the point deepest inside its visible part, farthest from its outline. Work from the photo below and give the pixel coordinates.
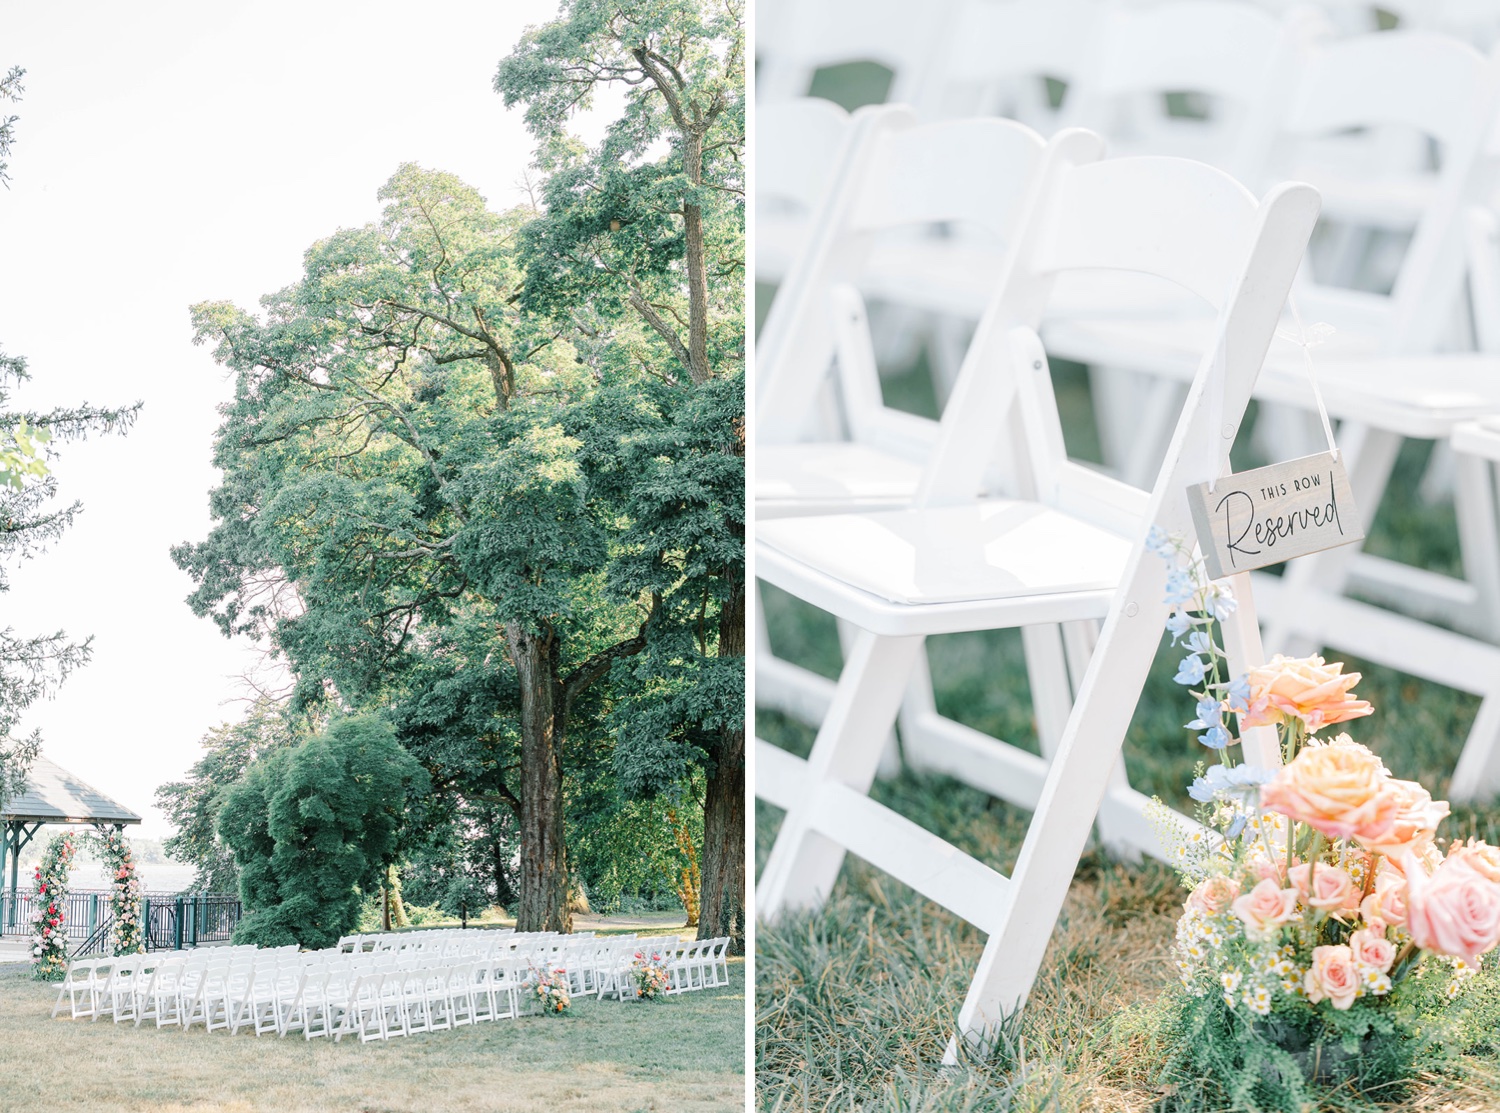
(483, 478)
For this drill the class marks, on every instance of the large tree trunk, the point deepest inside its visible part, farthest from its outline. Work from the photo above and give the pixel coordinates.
(695, 264)
(543, 904)
(722, 900)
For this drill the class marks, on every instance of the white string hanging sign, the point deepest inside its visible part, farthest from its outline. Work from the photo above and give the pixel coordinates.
(1253, 519)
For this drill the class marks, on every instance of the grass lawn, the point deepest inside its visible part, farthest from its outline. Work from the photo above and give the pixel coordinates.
(855, 1003)
(683, 1053)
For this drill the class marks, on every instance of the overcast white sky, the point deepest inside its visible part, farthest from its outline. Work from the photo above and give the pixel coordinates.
(168, 153)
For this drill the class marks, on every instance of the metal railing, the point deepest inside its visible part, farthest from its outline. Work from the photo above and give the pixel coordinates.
(170, 920)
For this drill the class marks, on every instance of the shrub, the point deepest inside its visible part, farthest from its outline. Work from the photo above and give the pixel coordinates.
(312, 826)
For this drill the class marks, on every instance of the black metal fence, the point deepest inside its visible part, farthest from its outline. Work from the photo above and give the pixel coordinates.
(171, 921)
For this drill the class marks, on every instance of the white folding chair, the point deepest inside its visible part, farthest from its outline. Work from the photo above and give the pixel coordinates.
(794, 40)
(1384, 375)
(1072, 552)
(798, 146)
(996, 59)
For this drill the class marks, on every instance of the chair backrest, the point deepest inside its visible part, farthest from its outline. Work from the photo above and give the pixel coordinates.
(797, 147)
(1415, 82)
(1229, 54)
(995, 59)
(793, 40)
(1181, 221)
(899, 176)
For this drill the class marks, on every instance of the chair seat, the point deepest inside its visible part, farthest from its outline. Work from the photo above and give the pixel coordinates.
(830, 478)
(1417, 396)
(1479, 438)
(972, 562)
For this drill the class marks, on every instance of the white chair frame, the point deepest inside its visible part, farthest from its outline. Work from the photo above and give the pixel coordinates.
(1188, 223)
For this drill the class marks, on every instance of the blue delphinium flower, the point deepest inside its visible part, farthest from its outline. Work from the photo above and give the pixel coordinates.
(1242, 783)
(1237, 824)
(1199, 642)
(1217, 738)
(1180, 588)
(1178, 624)
(1239, 695)
(1221, 602)
(1208, 715)
(1191, 671)
(1159, 542)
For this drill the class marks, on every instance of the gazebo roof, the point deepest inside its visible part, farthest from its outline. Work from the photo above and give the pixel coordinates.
(53, 795)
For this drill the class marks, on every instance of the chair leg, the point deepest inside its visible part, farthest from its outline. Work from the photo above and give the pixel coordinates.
(890, 753)
(803, 864)
(1369, 455)
(1071, 796)
(1479, 537)
(1051, 691)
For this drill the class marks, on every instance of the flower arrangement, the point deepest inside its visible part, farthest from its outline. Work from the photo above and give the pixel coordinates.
(649, 973)
(49, 940)
(124, 891)
(551, 989)
(1325, 935)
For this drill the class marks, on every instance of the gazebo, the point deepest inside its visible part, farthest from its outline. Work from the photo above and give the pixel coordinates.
(52, 795)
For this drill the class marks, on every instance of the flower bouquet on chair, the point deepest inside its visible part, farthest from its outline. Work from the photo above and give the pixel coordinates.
(1326, 938)
(648, 973)
(551, 990)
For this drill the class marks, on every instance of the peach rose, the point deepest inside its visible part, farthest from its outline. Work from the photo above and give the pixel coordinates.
(1268, 868)
(1335, 889)
(1333, 976)
(1454, 912)
(1302, 688)
(1387, 904)
(1372, 948)
(1214, 894)
(1340, 788)
(1265, 908)
(1484, 858)
(1417, 818)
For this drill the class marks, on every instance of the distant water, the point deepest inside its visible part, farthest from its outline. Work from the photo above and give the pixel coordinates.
(156, 877)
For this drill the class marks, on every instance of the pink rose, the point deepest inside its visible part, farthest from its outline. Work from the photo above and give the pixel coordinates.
(1417, 819)
(1339, 788)
(1454, 912)
(1333, 976)
(1265, 908)
(1484, 858)
(1214, 894)
(1269, 869)
(1335, 889)
(1372, 948)
(1305, 688)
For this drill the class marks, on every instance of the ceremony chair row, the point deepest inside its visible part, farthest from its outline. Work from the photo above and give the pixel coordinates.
(1383, 377)
(375, 987)
(1060, 551)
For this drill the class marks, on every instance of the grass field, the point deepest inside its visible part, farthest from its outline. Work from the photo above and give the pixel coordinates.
(678, 1055)
(855, 1003)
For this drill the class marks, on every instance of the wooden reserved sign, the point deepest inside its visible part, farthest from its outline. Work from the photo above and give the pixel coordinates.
(1255, 518)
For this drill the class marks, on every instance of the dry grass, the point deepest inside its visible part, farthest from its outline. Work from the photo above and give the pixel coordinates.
(855, 1003)
(682, 1054)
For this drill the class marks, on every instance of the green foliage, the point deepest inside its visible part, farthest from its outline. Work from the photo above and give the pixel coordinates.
(625, 227)
(1219, 1058)
(312, 825)
(192, 805)
(10, 90)
(676, 463)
